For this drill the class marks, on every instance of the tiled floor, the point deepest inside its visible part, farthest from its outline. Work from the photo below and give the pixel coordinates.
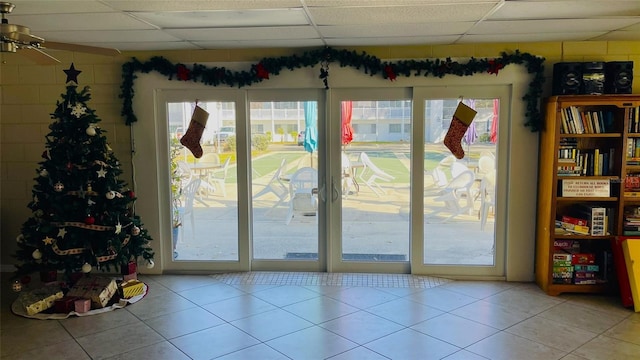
(338, 316)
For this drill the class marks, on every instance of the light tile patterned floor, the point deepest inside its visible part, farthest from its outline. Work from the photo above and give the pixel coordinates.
(284, 315)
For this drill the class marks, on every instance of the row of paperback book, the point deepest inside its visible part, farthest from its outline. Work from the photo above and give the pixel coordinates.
(572, 266)
(631, 224)
(585, 162)
(634, 120)
(575, 121)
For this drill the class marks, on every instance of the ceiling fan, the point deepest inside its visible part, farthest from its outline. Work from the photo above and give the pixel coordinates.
(17, 37)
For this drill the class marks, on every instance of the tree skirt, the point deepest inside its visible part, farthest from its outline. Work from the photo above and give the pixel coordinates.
(18, 309)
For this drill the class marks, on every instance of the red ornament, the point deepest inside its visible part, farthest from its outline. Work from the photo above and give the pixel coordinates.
(262, 72)
(131, 194)
(391, 75)
(494, 67)
(90, 220)
(184, 74)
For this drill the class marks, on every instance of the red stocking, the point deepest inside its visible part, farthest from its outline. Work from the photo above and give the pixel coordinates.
(462, 118)
(191, 138)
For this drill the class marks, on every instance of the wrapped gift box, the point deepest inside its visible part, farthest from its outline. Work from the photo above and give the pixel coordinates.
(82, 305)
(38, 300)
(132, 288)
(64, 305)
(98, 289)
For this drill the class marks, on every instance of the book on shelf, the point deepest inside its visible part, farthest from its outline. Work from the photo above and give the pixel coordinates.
(596, 215)
(574, 220)
(573, 228)
(575, 121)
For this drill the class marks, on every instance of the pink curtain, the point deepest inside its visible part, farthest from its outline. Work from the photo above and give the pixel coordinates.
(494, 121)
(347, 129)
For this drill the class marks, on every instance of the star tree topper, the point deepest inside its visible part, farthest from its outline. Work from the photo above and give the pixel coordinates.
(72, 74)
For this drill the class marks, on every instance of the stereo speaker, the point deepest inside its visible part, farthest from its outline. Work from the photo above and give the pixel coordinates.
(619, 77)
(567, 78)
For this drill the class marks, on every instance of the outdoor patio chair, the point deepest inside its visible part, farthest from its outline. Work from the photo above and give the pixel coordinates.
(370, 174)
(185, 173)
(487, 197)
(302, 200)
(458, 190)
(189, 194)
(348, 179)
(218, 178)
(276, 186)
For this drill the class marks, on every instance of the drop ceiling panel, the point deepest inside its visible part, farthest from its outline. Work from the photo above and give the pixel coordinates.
(368, 3)
(571, 9)
(399, 14)
(224, 18)
(59, 7)
(112, 36)
(187, 5)
(258, 44)
(523, 38)
(390, 30)
(545, 26)
(148, 46)
(259, 33)
(381, 41)
(73, 22)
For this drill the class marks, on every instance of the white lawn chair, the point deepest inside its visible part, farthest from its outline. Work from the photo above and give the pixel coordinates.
(371, 174)
(276, 186)
(302, 200)
(457, 191)
(218, 178)
(487, 197)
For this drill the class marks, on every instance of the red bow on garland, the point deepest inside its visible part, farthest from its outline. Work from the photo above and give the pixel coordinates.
(494, 67)
(262, 73)
(391, 75)
(184, 74)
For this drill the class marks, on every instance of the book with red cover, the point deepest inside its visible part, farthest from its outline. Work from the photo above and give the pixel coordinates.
(574, 220)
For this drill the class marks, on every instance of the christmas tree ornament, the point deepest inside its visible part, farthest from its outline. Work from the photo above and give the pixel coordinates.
(44, 173)
(191, 139)
(131, 194)
(47, 240)
(86, 268)
(102, 172)
(58, 187)
(135, 231)
(462, 118)
(110, 195)
(20, 238)
(78, 110)
(72, 74)
(16, 286)
(62, 232)
(91, 131)
(89, 188)
(36, 254)
(118, 228)
(150, 264)
(89, 220)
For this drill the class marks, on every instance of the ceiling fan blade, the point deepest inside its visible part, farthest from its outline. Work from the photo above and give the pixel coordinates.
(81, 48)
(39, 57)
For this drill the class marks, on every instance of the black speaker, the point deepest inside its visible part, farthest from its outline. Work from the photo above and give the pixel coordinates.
(567, 78)
(618, 77)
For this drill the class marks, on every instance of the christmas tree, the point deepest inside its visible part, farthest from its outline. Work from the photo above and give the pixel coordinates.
(83, 216)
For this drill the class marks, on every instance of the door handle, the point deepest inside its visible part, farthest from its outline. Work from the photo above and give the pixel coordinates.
(323, 193)
(334, 190)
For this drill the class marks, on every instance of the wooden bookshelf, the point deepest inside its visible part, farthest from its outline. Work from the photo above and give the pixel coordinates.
(568, 147)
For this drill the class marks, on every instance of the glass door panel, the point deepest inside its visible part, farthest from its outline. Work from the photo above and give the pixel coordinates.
(204, 190)
(375, 138)
(459, 201)
(284, 173)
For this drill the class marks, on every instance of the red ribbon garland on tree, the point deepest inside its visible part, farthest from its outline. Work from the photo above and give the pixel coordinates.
(391, 75)
(494, 67)
(262, 73)
(184, 74)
